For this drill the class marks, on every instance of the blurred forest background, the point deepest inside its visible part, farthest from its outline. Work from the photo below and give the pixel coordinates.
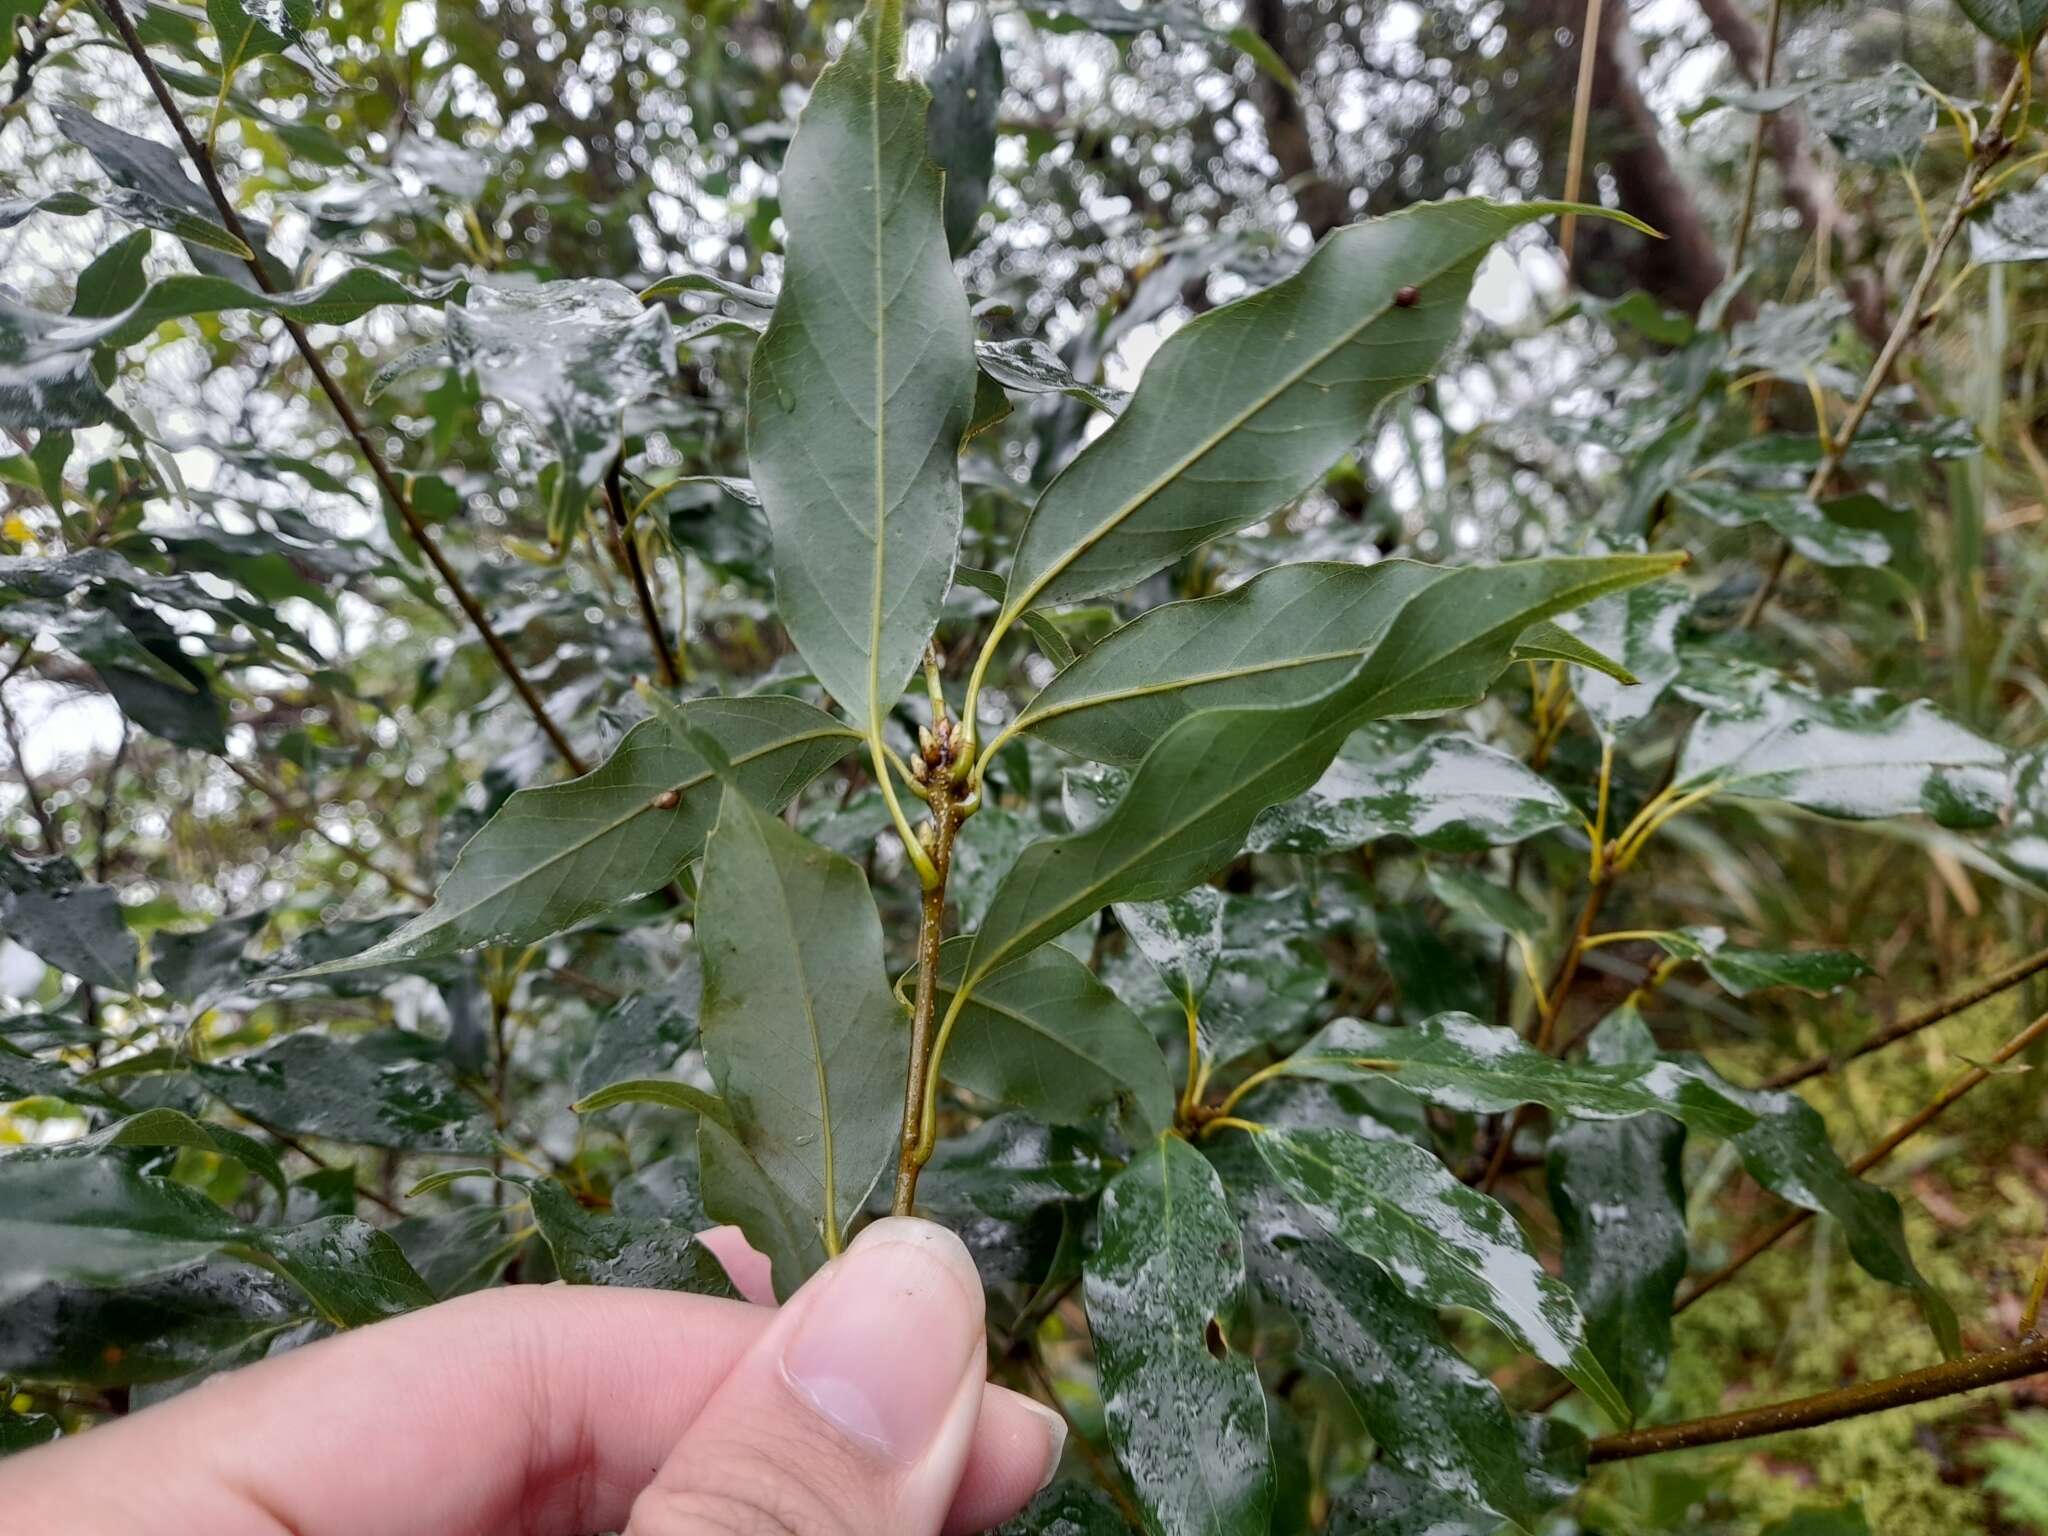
(342, 732)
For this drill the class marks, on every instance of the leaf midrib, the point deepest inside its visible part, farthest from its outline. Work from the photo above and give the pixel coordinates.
(1208, 444)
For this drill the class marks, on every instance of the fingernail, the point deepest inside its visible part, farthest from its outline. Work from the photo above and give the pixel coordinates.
(883, 1346)
(1055, 1440)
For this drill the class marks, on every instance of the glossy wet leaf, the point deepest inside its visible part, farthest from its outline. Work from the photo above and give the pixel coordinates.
(26, 1431)
(555, 856)
(643, 1034)
(1030, 367)
(1044, 1035)
(1743, 971)
(136, 208)
(155, 1330)
(2014, 228)
(1788, 339)
(1387, 1502)
(1858, 756)
(863, 382)
(1639, 629)
(49, 908)
(1189, 1427)
(1197, 793)
(1449, 793)
(802, 1035)
(1066, 1509)
(573, 356)
(1425, 1407)
(1485, 902)
(250, 29)
(1246, 406)
(1182, 938)
(1270, 976)
(1553, 642)
(967, 94)
(97, 1221)
(1788, 1152)
(1454, 1060)
(604, 1248)
(1617, 1190)
(167, 1127)
(1449, 1245)
(312, 1085)
(1803, 525)
(2015, 23)
(1011, 1167)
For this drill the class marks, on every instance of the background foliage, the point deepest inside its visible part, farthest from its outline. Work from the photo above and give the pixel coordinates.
(265, 1041)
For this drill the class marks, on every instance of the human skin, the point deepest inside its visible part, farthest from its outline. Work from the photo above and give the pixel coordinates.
(857, 1409)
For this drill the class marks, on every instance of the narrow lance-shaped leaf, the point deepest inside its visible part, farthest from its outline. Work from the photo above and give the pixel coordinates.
(1639, 629)
(1448, 793)
(2015, 23)
(1743, 971)
(1246, 406)
(1398, 1206)
(1425, 1407)
(1189, 1426)
(1197, 793)
(94, 1220)
(862, 384)
(1454, 1060)
(1620, 1204)
(553, 856)
(967, 94)
(1043, 1034)
(1859, 756)
(802, 1035)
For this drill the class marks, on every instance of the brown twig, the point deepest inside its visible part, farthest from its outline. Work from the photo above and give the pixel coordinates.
(931, 929)
(1918, 1121)
(1948, 1008)
(629, 556)
(1990, 148)
(408, 514)
(310, 817)
(1751, 176)
(52, 838)
(1969, 1374)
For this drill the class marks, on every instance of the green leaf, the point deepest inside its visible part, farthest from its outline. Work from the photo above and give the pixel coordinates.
(1197, 793)
(600, 1248)
(247, 29)
(26, 1431)
(642, 1035)
(1387, 1502)
(1186, 1413)
(312, 1085)
(656, 1090)
(967, 95)
(1181, 936)
(1787, 1152)
(167, 1127)
(53, 912)
(1858, 756)
(555, 856)
(1454, 1060)
(1043, 1034)
(152, 1331)
(2015, 23)
(1064, 1509)
(1396, 1205)
(1639, 629)
(112, 280)
(1553, 642)
(1246, 407)
(1425, 1407)
(1620, 1202)
(2014, 228)
(1842, 1520)
(135, 207)
(573, 356)
(1802, 524)
(1010, 1167)
(1030, 367)
(97, 1221)
(802, 1035)
(1491, 905)
(1743, 971)
(862, 385)
(1448, 793)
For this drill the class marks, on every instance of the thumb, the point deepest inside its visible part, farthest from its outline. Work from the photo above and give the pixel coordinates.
(851, 1415)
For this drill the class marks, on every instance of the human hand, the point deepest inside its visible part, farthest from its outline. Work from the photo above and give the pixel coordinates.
(858, 1409)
